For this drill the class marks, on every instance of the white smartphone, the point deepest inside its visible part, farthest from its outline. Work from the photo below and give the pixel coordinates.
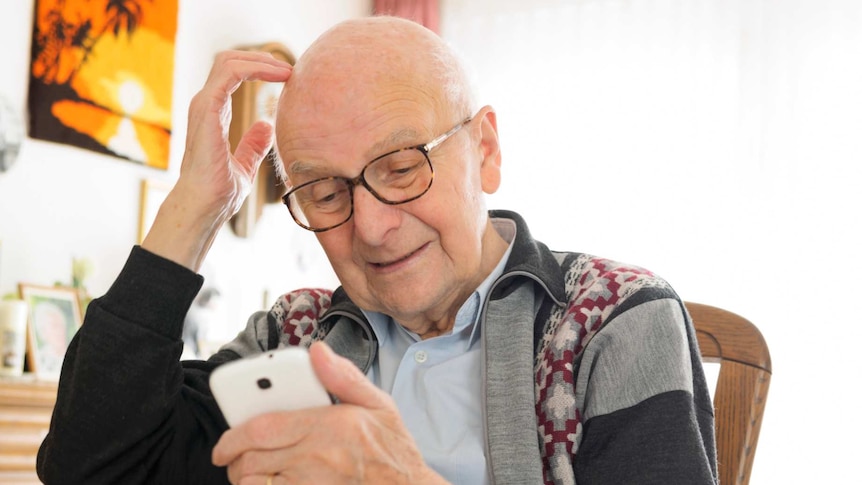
(278, 380)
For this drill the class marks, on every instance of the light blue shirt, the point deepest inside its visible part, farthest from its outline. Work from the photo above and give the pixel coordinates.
(437, 383)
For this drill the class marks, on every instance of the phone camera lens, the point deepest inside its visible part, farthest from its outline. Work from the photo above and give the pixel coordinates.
(264, 383)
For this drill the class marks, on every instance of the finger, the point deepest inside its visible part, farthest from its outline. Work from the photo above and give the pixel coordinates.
(267, 432)
(253, 56)
(234, 70)
(253, 465)
(232, 444)
(224, 452)
(214, 97)
(344, 380)
(236, 475)
(275, 467)
(227, 76)
(254, 146)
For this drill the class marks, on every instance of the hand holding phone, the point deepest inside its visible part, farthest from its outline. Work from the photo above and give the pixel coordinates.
(278, 380)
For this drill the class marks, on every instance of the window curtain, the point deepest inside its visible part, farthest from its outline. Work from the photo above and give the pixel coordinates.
(425, 12)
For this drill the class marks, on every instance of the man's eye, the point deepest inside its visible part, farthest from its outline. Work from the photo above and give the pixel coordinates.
(403, 169)
(329, 194)
(399, 165)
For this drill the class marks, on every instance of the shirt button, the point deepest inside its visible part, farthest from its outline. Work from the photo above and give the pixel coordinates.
(420, 356)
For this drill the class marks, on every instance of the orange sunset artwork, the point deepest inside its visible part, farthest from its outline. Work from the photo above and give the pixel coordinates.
(101, 76)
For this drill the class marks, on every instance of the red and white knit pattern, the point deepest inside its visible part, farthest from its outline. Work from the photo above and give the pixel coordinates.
(594, 289)
(299, 311)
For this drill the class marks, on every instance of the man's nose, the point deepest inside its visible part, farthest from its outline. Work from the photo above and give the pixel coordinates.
(373, 219)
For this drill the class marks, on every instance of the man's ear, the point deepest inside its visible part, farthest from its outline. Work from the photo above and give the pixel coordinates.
(489, 143)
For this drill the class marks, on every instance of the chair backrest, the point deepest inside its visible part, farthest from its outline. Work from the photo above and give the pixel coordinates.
(743, 383)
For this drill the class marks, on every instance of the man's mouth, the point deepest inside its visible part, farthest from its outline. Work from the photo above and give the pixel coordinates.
(389, 264)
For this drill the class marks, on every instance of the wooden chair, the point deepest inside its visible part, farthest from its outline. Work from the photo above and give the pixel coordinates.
(743, 382)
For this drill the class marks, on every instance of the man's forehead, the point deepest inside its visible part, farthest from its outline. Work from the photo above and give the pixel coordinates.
(400, 137)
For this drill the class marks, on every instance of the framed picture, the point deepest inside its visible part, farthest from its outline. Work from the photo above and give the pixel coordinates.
(54, 317)
(101, 76)
(153, 193)
(253, 101)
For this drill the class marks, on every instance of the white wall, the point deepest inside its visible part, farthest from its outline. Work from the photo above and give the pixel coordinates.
(58, 202)
(716, 142)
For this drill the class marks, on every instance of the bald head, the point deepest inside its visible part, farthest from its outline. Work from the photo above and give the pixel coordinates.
(361, 63)
(361, 104)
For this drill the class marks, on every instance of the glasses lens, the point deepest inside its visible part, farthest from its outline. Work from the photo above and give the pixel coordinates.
(322, 204)
(400, 176)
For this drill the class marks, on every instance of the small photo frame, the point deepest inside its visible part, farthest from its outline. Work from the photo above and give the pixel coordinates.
(54, 318)
(153, 193)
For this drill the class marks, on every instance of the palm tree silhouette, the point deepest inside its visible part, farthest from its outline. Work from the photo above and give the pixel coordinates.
(69, 35)
(122, 15)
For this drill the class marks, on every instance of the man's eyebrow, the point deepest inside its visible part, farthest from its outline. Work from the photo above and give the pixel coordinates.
(397, 139)
(299, 167)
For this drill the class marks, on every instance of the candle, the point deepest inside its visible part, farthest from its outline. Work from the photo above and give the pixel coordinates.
(13, 336)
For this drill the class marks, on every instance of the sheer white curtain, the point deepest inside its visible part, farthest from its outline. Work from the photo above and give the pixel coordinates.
(717, 142)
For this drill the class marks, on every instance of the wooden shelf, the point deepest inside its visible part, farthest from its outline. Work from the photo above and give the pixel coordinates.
(25, 414)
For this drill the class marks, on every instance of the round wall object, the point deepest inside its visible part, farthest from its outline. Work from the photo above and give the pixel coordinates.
(11, 135)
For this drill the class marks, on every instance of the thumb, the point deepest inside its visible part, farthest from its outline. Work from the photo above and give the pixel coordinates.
(253, 146)
(344, 380)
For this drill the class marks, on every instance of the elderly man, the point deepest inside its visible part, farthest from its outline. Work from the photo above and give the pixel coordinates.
(459, 349)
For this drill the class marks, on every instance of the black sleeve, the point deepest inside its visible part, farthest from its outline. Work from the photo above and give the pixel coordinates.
(128, 411)
(653, 442)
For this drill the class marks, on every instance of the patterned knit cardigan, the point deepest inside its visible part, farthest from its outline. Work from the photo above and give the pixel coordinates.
(596, 291)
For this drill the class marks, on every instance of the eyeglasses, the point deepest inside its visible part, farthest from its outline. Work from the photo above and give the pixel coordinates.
(393, 178)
